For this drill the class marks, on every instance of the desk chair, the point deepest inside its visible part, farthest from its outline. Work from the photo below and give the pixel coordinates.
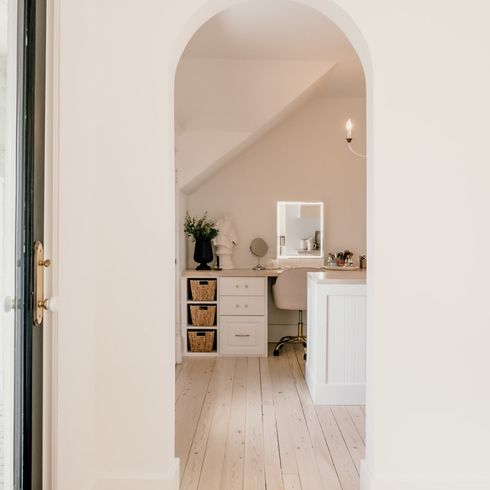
(289, 293)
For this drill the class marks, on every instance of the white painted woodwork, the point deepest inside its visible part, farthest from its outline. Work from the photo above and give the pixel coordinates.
(246, 423)
(242, 305)
(336, 364)
(242, 335)
(241, 317)
(346, 342)
(241, 286)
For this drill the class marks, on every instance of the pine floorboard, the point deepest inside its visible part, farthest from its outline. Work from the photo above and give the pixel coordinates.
(250, 423)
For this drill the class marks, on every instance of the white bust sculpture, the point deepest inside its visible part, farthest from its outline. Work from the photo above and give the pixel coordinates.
(225, 241)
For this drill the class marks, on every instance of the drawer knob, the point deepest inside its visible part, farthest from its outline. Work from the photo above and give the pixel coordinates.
(246, 285)
(242, 335)
(237, 306)
(237, 286)
(246, 306)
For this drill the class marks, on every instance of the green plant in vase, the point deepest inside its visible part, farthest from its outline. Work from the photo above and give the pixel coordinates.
(202, 230)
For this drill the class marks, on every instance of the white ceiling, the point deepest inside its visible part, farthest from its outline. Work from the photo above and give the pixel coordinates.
(281, 30)
(270, 29)
(247, 69)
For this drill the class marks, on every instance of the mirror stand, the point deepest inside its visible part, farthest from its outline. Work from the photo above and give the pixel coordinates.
(259, 266)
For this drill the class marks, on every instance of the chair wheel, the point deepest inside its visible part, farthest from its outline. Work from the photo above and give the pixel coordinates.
(304, 356)
(276, 353)
(304, 345)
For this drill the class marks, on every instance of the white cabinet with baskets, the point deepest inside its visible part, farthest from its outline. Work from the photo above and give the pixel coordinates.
(224, 315)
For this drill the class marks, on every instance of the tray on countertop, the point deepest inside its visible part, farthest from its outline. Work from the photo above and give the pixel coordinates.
(343, 268)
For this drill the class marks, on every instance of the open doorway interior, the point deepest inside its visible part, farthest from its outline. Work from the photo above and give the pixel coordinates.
(262, 95)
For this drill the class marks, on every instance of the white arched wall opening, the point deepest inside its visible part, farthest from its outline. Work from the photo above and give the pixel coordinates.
(337, 15)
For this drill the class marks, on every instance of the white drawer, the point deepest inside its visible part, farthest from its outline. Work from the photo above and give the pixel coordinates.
(241, 305)
(239, 286)
(242, 335)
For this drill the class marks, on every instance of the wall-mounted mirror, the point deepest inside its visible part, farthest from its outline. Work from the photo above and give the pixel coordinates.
(299, 230)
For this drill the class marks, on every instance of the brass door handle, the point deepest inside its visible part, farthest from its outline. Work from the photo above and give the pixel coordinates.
(44, 304)
(40, 302)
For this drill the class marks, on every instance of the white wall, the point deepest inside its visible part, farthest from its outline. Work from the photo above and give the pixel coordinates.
(225, 105)
(180, 262)
(115, 343)
(304, 158)
(240, 94)
(428, 201)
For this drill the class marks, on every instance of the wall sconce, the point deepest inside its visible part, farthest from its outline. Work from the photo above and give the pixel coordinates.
(348, 138)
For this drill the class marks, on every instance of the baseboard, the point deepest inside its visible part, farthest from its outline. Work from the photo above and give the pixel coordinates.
(276, 332)
(405, 482)
(366, 477)
(167, 481)
(336, 394)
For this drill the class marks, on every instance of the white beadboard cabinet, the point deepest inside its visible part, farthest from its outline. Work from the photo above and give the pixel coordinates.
(336, 361)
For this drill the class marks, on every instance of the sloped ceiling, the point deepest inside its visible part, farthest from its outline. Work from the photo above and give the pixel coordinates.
(244, 71)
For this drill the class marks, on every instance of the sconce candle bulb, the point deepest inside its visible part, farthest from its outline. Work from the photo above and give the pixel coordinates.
(348, 130)
(348, 138)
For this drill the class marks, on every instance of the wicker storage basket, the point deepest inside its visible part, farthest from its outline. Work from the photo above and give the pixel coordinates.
(201, 341)
(203, 290)
(203, 316)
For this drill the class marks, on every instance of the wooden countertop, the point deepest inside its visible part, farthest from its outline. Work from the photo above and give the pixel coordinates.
(232, 273)
(321, 277)
(338, 277)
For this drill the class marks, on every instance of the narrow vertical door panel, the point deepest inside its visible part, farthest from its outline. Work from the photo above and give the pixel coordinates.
(29, 229)
(8, 170)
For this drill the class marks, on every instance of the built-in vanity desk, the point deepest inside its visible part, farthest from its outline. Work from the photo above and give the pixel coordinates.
(336, 327)
(336, 362)
(239, 323)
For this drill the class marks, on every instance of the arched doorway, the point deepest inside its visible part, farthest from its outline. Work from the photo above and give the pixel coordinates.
(332, 12)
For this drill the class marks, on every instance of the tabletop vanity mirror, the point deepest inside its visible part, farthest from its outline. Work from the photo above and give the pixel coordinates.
(299, 230)
(259, 248)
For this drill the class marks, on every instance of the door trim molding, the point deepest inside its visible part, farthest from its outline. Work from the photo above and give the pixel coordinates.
(51, 230)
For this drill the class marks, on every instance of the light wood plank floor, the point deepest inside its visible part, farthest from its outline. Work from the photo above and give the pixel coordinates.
(249, 423)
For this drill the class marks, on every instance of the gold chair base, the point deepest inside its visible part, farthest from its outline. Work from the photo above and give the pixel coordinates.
(292, 339)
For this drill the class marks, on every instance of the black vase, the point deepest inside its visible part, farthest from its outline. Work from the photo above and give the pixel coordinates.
(203, 253)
